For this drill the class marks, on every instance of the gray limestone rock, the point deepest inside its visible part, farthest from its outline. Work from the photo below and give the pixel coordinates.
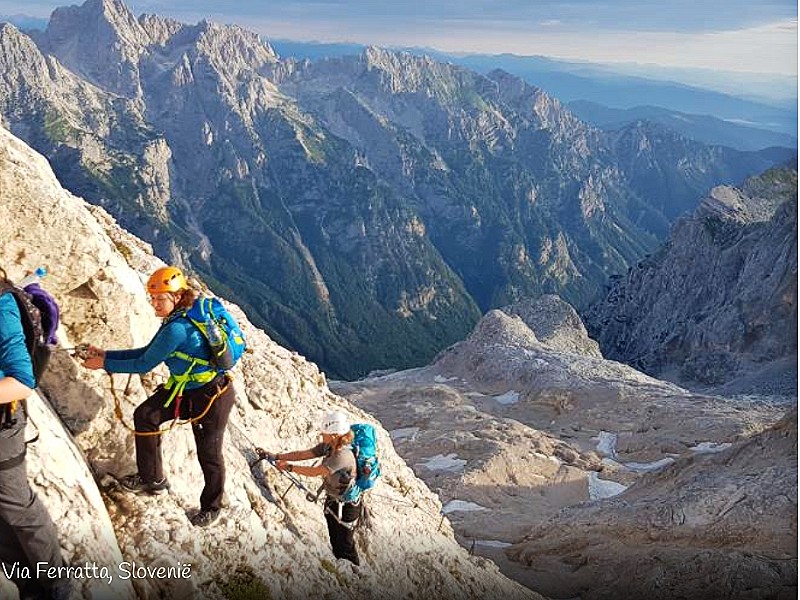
(512, 431)
(713, 525)
(719, 301)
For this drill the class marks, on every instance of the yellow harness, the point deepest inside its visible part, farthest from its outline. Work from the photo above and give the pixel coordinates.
(176, 383)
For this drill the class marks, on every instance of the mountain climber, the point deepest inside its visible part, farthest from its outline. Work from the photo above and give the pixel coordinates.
(193, 391)
(338, 470)
(27, 533)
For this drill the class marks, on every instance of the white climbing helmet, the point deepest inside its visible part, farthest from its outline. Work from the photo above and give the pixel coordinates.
(335, 422)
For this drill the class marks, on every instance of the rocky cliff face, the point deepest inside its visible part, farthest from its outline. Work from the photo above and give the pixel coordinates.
(513, 429)
(379, 197)
(718, 303)
(270, 541)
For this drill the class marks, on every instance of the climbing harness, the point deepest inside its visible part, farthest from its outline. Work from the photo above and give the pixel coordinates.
(337, 516)
(176, 420)
(177, 383)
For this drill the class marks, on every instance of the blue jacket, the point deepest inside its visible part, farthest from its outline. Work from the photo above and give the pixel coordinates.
(176, 335)
(14, 358)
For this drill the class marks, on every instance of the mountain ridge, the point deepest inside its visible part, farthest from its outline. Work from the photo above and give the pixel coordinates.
(437, 194)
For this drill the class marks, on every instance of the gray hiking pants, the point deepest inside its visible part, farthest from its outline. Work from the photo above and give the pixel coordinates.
(27, 533)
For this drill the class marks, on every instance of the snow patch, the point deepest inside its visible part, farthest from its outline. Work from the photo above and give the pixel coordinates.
(450, 463)
(639, 467)
(603, 488)
(492, 543)
(607, 443)
(440, 379)
(461, 506)
(403, 433)
(510, 397)
(709, 447)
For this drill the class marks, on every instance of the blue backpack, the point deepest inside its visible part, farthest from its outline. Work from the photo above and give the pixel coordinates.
(368, 468)
(218, 326)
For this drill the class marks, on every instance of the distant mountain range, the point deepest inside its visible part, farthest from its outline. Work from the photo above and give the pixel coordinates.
(762, 88)
(611, 98)
(740, 110)
(364, 210)
(701, 128)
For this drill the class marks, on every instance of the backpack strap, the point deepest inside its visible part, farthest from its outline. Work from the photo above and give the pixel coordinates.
(9, 409)
(177, 383)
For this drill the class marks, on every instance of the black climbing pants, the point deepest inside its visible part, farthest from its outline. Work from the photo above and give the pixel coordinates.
(340, 529)
(27, 533)
(209, 433)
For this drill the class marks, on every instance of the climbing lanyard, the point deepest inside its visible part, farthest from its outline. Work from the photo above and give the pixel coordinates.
(310, 496)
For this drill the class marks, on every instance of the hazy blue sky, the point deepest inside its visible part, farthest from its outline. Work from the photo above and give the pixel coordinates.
(741, 35)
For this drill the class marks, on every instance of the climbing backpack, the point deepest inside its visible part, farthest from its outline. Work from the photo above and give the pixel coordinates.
(368, 468)
(37, 340)
(225, 339)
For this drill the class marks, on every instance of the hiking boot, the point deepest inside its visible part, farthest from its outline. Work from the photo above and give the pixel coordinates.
(204, 518)
(137, 485)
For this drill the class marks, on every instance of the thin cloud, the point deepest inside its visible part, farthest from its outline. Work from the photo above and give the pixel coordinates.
(718, 34)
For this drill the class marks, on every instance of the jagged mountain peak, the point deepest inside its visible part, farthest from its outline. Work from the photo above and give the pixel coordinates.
(533, 101)
(160, 29)
(14, 41)
(402, 72)
(642, 132)
(234, 43)
(111, 15)
(100, 40)
(376, 56)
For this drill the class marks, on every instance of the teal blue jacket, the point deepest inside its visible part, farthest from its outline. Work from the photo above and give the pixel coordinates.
(176, 335)
(14, 358)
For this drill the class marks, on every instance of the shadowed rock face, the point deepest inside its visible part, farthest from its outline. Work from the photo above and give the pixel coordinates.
(720, 525)
(511, 431)
(718, 303)
(269, 538)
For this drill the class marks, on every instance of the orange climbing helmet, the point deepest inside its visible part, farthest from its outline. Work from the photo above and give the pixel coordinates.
(166, 279)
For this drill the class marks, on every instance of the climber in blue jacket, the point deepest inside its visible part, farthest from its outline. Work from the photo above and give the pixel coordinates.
(194, 391)
(27, 533)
